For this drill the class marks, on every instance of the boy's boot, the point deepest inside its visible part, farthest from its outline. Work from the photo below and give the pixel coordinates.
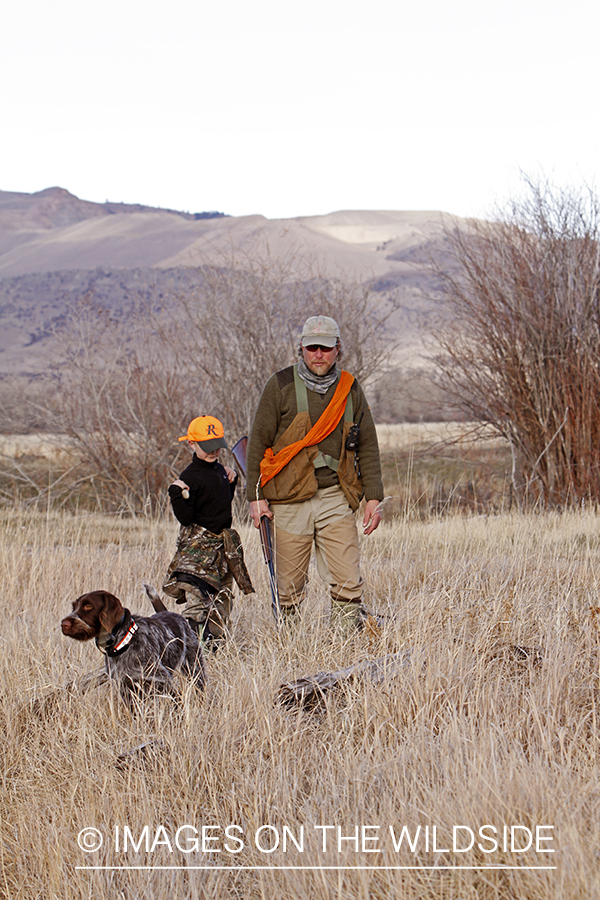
(212, 642)
(208, 641)
(215, 631)
(345, 617)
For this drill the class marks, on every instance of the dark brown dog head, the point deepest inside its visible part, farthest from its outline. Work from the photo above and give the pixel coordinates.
(92, 612)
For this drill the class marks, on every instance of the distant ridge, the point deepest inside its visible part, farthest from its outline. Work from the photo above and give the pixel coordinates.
(56, 249)
(53, 230)
(55, 207)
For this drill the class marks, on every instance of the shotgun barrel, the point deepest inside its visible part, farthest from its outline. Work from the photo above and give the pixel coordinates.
(267, 546)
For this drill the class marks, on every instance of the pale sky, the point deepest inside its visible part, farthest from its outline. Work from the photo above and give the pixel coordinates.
(304, 108)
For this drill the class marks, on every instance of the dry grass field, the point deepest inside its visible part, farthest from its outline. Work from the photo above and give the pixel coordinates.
(471, 734)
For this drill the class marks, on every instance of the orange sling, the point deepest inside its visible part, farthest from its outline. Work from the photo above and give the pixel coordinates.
(273, 463)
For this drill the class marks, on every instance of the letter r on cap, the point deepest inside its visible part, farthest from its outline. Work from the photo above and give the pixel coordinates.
(211, 430)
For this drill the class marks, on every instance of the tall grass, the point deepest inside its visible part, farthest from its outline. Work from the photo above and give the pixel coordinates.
(469, 734)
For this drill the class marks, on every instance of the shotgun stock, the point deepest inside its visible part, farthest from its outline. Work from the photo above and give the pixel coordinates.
(239, 454)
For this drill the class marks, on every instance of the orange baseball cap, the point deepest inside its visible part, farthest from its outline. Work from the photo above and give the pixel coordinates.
(206, 431)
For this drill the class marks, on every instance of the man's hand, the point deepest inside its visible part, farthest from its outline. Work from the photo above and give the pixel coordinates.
(185, 491)
(372, 516)
(230, 473)
(258, 509)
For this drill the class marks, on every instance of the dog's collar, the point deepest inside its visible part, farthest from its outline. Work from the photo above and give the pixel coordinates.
(110, 643)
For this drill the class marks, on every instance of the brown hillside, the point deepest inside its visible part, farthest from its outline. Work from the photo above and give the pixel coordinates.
(56, 249)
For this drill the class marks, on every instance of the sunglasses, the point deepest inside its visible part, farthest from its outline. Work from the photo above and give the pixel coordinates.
(312, 348)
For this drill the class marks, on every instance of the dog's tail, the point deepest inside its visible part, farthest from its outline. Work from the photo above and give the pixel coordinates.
(155, 600)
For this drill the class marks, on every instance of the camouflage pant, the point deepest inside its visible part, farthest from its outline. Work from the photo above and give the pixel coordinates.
(211, 611)
(215, 559)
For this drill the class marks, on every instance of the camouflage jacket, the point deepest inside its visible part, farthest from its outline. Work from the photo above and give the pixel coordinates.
(208, 556)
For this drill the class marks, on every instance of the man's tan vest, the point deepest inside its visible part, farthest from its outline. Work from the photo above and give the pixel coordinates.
(297, 480)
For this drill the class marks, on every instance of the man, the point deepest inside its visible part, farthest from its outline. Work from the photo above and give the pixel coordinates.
(310, 490)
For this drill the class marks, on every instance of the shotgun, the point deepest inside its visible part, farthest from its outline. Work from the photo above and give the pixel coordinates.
(239, 454)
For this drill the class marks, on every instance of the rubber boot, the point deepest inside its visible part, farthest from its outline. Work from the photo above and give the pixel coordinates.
(345, 618)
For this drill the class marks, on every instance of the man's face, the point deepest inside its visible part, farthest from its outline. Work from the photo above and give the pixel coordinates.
(320, 359)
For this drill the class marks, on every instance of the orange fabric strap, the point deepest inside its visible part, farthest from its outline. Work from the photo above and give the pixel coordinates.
(272, 463)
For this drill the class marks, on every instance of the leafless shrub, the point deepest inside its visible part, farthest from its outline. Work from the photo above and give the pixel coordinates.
(23, 404)
(122, 399)
(522, 350)
(411, 393)
(125, 383)
(244, 323)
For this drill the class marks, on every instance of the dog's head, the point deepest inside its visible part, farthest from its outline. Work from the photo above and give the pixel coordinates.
(92, 612)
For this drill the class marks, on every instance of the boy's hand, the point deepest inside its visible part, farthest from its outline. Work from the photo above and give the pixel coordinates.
(230, 473)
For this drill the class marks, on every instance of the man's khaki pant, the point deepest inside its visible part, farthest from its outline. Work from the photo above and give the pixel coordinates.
(327, 520)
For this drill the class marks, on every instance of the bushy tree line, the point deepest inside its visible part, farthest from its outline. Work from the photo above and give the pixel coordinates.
(521, 349)
(125, 384)
(518, 348)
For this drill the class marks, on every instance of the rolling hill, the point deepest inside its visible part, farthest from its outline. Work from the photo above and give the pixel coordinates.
(56, 249)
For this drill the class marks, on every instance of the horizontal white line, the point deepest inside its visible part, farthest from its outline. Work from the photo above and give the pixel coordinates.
(320, 868)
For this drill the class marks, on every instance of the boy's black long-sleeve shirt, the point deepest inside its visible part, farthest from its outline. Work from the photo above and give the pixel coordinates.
(211, 493)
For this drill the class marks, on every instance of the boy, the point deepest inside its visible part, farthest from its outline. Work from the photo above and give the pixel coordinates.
(209, 552)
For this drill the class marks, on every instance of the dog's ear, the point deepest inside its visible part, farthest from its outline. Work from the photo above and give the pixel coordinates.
(112, 610)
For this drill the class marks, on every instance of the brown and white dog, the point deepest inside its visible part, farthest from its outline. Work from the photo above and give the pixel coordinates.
(142, 652)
